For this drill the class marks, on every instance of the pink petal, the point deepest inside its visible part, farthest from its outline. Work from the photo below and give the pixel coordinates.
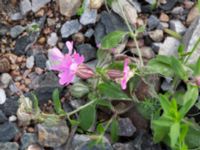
(78, 59)
(125, 74)
(66, 77)
(70, 46)
(55, 54)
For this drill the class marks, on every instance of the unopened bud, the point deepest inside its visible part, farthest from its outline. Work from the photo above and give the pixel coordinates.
(84, 72)
(197, 79)
(113, 74)
(78, 90)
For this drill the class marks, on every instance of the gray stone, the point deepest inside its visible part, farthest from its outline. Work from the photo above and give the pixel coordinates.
(156, 35)
(25, 6)
(16, 16)
(2, 96)
(126, 128)
(40, 60)
(53, 135)
(167, 84)
(9, 146)
(152, 2)
(70, 27)
(168, 5)
(52, 39)
(37, 4)
(10, 106)
(87, 51)
(5, 79)
(177, 26)
(76, 103)
(87, 146)
(2, 117)
(178, 10)
(8, 131)
(89, 17)
(30, 62)
(28, 139)
(12, 118)
(112, 22)
(99, 33)
(89, 33)
(3, 29)
(190, 38)
(123, 146)
(16, 31)
(153, 22)
(169, 47)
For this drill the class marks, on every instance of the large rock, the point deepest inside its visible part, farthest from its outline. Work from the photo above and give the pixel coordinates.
(28, 139)
(9, 146)
(2, 117)
(37, 4)
(25, 6)
(53, 135)
(10, 106)
(8, 131)
(190, 38)
(68, 8)
(70, 27)
(16, 30)
(87, 51)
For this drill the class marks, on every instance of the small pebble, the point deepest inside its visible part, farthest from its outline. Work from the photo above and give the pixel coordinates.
(52, 39)
(2, 96)
(12, 118)
(30, 62)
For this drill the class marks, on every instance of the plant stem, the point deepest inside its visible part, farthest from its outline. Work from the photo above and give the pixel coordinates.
(133, 35)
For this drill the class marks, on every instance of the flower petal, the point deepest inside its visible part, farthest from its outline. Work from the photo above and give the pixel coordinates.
(78, 58)
(55, 54)
(66, 77)
(125, 74)
(70, 45)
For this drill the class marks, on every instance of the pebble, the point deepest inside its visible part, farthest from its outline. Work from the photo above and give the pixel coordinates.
(53, 135)
(89, 17)
(168, 5)
(9, 146)
(30, 62)
(38, 4)
(169, 47)
(164, 17)
(12, 118)
(10, 106)
(2, 117)
(78, 37)
(96, 4)
(52, 39)
(89, 33)
(87, 51)
(2, 96)
(178, 10)
(42, 40)
(40, 60)
(16, 31)
(188, 4)
(156, 35)
(5, 79)
(68, 8)
(126, 128)
(16, 16)
(8, 131)
(70, 27)
(177, 26)
(152, 22)
(194, 13)
(34, 147)
(27, 140)
(25, 6)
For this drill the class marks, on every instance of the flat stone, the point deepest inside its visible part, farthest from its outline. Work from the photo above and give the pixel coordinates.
(38, 4)
(169, 47)
(68, 8)
(190, 38)
(70, 27)
(2, 96)
(193, 14)
(28, 139)
(177, 26)
(99, 33)
(30, 62)
(89, 33)
(8, 131)
(25, 6)
(3, 29)
(53, 135)
(9, 146)
(5, 79)
(87, 51)
(40, 60)
(16, 31)
(146, 52)
(89, 17)
(16, 16)
(169, 5)
(126, 128)
(52, 39)
(152, 22)
(2, 117)
(156, 35)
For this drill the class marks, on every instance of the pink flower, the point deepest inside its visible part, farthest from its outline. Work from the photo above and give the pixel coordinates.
(125, 74)
(67, 64)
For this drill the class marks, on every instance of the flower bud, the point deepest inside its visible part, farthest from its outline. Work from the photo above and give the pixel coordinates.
(84, 71)
(78, 90)
(197, 79)
(113, 74)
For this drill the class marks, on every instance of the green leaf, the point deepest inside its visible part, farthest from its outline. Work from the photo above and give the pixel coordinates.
(197, 68)
(114, 130)
(174, 134)
(192, 138)
(173, 33)
(141, 29)
(113, 39)
(100, 128)
(104, 103)
(104, 58)
(57, 103)
(184, 131)
(178, 68)
(87, 117)
(165, 104)
(198, 4)
(35, 103)
(112, 91)
(73, 122)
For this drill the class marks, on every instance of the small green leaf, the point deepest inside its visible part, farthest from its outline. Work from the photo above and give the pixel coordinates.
(141, 29)
(104, 103)
(73, 122)
(174, 134)
(35, 103)
(104, 58)
(197, 68)
(198, 4)
(87, 117)
(173, 33)
(165, 104)
(113, 39)
(57, 103)
(112, 91)
(100, 128)
(114, 130)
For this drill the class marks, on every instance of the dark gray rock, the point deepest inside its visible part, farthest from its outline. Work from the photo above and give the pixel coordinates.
(40, 60)
(126, 128)
(89, 33)
(53, 135)
(16, 30)
(152, 22)
(28, 139)
(87, 146)
(169, 5)
(10, 106)
(2, 117)
(9, 146)
(99, 33)
(190, 38)
(87, 51)
(70, 27)
(112, 22)
(3, 29)
(8, 131)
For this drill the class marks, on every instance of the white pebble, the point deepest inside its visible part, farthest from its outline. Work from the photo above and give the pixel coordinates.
(12, 118)
(2, 96)
(5, 79)
(52, 39)
(30, 62)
